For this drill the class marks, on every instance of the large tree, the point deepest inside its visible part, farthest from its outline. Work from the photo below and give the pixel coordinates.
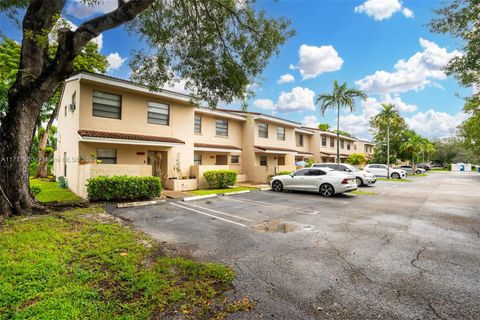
(340, 97)
(218, 46)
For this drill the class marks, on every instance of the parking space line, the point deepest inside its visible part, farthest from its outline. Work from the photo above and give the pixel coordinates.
(219, 212)
(207, 214)
(275, 205)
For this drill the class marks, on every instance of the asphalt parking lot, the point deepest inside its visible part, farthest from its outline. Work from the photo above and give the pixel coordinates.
(411, 251)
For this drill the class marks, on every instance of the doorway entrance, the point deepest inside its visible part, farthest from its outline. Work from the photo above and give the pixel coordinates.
(158, 161)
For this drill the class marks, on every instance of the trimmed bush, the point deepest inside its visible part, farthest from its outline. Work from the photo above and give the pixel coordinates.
(220, 179)
(116, 188)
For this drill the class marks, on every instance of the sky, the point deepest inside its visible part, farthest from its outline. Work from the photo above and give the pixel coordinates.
(383, 47)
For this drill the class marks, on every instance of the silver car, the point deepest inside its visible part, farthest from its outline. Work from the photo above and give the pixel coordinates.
(326, 181)
(363, 177)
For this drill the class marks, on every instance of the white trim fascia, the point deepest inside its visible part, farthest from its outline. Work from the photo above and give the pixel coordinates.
(333, 134)
(304, 131)
(205, 149)
(221, 114)
(276, 120)
(274, 151)
(130, 142)
(131, 86)
(304, 154)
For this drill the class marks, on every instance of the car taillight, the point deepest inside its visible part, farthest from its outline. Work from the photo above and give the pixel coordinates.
(345, 181)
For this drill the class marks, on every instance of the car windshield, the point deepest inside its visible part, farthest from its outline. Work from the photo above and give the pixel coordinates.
(352, 168)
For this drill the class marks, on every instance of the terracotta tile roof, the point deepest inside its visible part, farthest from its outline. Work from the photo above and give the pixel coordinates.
(275, 148)
(303, 152)
(127, 136)
(215, 146)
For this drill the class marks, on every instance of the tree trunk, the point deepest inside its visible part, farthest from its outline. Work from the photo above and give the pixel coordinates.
(42, 144)
(388, 151)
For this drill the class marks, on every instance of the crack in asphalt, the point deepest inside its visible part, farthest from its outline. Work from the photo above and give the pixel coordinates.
(435, 312)
(417, 257)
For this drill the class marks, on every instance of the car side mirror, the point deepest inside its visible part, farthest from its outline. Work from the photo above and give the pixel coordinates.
(291, 175)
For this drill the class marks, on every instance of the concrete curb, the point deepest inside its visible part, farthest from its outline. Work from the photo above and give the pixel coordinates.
(139, 203)
(186, 199)
(236, 192)
(265, 189)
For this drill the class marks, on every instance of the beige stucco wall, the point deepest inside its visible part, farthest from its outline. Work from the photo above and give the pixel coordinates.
(208, 134)
(272, 140)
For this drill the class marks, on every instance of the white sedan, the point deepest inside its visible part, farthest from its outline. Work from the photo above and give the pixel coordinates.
(324, 180)
(381, 170)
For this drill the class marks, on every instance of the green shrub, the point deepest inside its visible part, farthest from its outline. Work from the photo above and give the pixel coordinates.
(123, 188)
(32, 169)
(220, 179)
(35, 190)
(449, 167)
(62, 182)
(281, 173)
(474, 167)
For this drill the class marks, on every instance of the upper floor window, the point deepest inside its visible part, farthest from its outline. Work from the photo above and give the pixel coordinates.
(366, 149)
(263, 130)
(73, 105)
(354, 146)
(198, 124)
(107, 156)
(324, 141)
(221, 127)
(348, 145)
(107, 105)
(235, 159)
(342, 145)
(299, 138)
(332, 142)
(281, 133)
(158, 113)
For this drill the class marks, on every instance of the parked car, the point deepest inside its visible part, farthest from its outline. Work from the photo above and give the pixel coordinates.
(425, 166)
(362, 177)
(409, 169)
(380, 170)
(326, 181)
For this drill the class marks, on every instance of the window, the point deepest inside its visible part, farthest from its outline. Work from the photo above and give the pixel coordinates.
(342, 145)
(198, 124)
(299, 140)
(263, 161)
(348, 145)
(281, 161)
(107, 156)
(235, 159)
(73, 105)
(263, 130)
(332, 142)
(221, 127)
(158, 113)
(64, 164)
(107, 105)
(315, 172)
(366, 149)
(281, 133)
(197, 159)
(354, 146)
(324, 141)
(300, 172)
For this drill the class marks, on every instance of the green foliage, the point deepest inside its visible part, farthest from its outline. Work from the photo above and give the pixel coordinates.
(217, 47)
(356, 159)
(324, 126)
(449, 167)
(461, 19)
(469, 130)
(117, 188)
(32, 169)
(220, 179)
(35, 190)
(62, 182)
(343, 133)
(51, 191)
(82, 264)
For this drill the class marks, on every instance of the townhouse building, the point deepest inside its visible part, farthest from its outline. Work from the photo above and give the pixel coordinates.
(110, 126)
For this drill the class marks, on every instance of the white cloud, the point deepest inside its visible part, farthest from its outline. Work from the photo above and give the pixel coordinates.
(383, 9)
(64, 23)
(412, 74)
(401, 106)
(80, 10)
(286, 78)
(298, 99)
(115, 61)
(265, 104)
(433, 124)
(310, 121)
(316, 60)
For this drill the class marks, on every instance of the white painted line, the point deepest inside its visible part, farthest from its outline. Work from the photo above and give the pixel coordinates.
(139, 203)
(199, 197)
(273, 205)
(219, 212)
(236, 192)
(208, 215)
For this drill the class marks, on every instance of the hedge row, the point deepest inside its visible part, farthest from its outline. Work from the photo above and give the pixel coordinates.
(116, 188)
(220, 179)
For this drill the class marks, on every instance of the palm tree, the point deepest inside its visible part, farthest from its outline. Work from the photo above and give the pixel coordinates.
(341, 97)
(388, 117)
(412, 144)
(427, 148)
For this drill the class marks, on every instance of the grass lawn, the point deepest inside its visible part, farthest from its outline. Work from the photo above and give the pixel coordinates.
(203, 192)
(421, 175)
(362, 192)
(52, 192)
(83, 264)
(394, 180)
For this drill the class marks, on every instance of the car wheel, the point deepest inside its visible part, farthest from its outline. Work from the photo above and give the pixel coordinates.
(277, 186)
(359, 181)
(395, 175)
(327, 190)
(419, 171)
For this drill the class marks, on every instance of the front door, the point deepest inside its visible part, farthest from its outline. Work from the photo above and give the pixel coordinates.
(158, 161)
(221, 160)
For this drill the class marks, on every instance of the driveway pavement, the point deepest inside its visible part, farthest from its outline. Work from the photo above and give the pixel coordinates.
(412, 251)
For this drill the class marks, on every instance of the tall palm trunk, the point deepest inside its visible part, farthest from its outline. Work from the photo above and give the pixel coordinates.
(338, 134)
(388, 151)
